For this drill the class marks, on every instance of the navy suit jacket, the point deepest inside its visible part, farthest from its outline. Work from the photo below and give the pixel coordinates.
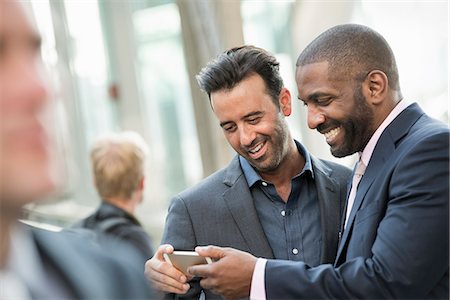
(396, 244)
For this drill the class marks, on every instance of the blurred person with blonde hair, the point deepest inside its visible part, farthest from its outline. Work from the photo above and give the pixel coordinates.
(118, 163)
(35, 263)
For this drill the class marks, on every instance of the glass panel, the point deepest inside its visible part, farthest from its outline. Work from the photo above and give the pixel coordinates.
(89, 67)
(166, 94)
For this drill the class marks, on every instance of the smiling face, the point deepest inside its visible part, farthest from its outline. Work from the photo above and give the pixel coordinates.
(24, 156)
(252, 123)
(336, 108)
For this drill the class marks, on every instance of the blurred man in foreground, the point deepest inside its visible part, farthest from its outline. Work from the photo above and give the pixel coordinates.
(35, 264)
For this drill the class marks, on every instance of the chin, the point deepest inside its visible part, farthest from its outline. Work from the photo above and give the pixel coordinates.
(339, 152)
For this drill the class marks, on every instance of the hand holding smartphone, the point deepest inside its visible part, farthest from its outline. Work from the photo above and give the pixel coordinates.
(182, 260)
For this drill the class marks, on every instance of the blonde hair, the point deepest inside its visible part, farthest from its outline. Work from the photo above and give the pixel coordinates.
(118, 162)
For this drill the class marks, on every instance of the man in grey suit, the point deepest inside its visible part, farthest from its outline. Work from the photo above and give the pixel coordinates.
(38, 264)
(395, 243)
(274, 200)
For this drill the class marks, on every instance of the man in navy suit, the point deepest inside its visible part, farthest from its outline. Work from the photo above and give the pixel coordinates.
(395, 241)
(38, 264)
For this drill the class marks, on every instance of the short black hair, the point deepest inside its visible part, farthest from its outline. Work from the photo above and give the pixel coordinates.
(236, 64)
(352, 51)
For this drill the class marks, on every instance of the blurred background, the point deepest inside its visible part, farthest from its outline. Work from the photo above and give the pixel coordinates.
(131, 64)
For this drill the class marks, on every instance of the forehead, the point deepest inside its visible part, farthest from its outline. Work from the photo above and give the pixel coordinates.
(314, 78)
(16, 21)
(250, 92)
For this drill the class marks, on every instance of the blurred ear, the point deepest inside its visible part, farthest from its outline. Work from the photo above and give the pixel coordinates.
(285, 102)
(375, 87)
(141, 183)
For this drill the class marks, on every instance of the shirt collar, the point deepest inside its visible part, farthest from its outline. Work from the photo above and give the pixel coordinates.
(368, 150)
(253, 177)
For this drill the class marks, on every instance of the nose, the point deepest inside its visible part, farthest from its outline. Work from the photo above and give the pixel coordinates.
(315, 117)
(246, 135)
(31, 88)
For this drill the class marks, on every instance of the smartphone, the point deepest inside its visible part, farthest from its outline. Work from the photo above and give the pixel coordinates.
(182, 260)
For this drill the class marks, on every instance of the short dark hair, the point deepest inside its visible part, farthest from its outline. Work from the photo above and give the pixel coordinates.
(352, 51)
(236, 64)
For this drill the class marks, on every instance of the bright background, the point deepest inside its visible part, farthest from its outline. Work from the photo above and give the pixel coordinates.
(130, 65)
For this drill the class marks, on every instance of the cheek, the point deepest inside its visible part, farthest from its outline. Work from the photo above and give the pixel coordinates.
(25, 176)
(233, 140)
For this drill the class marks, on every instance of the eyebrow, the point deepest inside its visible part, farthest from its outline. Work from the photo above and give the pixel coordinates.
(254, 113)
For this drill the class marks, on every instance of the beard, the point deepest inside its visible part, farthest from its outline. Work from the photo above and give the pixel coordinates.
(278, 147)
(358, 127)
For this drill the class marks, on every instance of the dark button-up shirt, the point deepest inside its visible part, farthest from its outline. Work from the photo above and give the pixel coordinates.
(293, 229)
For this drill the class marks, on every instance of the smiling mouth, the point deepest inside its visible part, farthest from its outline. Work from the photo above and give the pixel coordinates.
(256, 152)
(256, 149)
(331, 135)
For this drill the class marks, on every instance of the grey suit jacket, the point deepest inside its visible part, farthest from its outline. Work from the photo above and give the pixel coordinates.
(85, 272)
(220, 211)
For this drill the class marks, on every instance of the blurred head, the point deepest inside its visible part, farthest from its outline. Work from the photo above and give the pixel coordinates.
(118, 162)
(250, 102)
(349, 81)
(24, 145)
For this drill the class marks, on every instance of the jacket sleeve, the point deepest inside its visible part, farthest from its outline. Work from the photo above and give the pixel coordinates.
(179, 232)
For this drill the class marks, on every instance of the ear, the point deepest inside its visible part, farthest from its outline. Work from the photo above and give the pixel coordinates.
(285, 102)
(375, 87)
(141, 183)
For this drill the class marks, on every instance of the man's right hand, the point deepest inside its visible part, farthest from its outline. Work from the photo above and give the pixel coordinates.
(163, 276)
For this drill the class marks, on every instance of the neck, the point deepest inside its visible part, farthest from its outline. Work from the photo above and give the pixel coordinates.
(290, 166)
(128, 205)
(386, 109)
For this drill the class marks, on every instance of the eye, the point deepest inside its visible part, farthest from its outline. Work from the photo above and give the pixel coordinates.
(253, 120)
(229, 127)
(324, 101)
(3, 47)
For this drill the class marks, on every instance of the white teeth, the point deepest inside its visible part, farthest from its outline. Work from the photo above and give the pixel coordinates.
(332, 133)
(256, 149)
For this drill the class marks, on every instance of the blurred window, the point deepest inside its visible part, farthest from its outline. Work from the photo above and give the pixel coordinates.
(166, 95)
(418, 34)
(89, 67)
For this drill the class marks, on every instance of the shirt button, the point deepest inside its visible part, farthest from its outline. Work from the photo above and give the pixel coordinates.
(283, 213)
(264, 183)
(295, 251)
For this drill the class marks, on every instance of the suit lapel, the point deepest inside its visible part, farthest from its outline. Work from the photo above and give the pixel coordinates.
(328, 192)
(383, 151)
(239, 201)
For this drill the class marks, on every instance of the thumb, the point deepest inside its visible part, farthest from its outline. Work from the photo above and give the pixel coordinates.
(166, 248)
(211, 251)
